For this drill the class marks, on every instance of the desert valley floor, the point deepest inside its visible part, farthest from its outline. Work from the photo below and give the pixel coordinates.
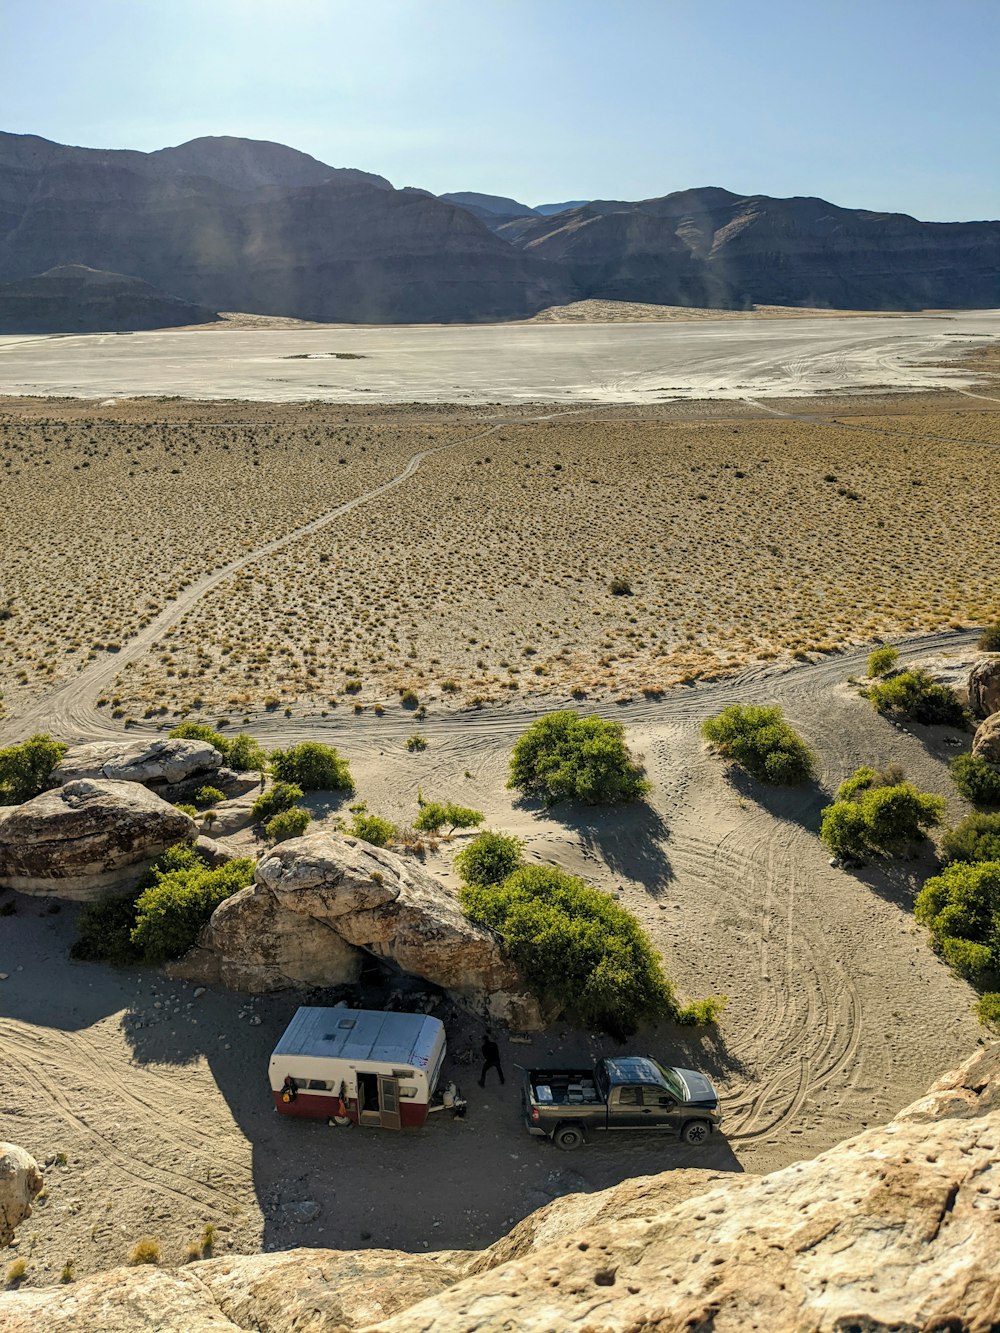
(293, 567)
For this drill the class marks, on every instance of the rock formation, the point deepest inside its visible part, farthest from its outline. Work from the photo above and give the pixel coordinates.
(986, 742)
(319, 900)
(86, 840)
(898, 1228)
(20, 1181)
(74, 299)
(984, 687)
(157, 763)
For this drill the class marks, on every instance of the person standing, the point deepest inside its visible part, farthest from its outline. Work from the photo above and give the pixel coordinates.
(491, 1059)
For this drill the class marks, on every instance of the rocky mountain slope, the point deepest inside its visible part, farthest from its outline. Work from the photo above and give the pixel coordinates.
(342, 248)
(896, 1228)
(237, 224)
(75, 299)
(708, 247)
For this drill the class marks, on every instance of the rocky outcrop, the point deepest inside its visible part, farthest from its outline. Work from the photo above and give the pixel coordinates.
(73, 299)
(984, 687)
(86, 840)
(253, 943)
(20, 1181)
(897, 1228)
(310, 890)
(986, 742)
(157, 764)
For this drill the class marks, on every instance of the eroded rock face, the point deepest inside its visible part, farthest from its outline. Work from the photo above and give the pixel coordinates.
(986, 744)
(897, 1228)
(86, 840)
(984, 687)
(20, 1181)
(254, 944)
(309, 889)
(153, 763)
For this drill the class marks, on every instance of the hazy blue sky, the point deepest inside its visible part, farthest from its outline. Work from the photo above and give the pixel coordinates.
(871, 103)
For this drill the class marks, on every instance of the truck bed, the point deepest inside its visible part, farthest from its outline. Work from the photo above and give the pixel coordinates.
(563, 1087)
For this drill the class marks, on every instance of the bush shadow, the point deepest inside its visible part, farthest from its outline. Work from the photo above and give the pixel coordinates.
(802, 804)
(629, 838)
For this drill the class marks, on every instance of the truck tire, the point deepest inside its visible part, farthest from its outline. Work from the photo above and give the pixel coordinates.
(568, 1137)
(696, 1131)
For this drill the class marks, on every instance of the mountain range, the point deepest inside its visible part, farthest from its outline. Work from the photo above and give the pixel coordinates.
(238, 224)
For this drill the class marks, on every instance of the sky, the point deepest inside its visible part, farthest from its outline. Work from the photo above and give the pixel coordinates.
(885, 104)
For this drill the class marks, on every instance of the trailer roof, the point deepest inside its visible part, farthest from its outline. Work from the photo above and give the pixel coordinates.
(362, 1034)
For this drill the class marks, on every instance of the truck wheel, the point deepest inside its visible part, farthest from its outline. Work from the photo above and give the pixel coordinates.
(567, 1138)
(695, 1131)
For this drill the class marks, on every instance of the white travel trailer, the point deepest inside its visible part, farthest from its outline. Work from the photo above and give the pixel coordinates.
(371, 1067)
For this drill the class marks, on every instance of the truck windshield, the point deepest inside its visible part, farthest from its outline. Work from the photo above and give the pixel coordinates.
(672, 1081)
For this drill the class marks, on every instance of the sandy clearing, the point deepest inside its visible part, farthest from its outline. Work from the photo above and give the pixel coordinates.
(839, 1012)
(565, 363)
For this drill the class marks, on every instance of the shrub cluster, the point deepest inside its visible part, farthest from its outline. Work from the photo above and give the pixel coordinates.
(580, 952)
(878, 814)
(278, 797)
(291, 823)
(25, 768)
(314, 767)
(917, 697)
(961, 908)
(976, 838)
(372, 828)
(170, 913)
(108, 930)
(433, 816)
(882, 660)
(761, 741)
(490, 858)
(989, 640)
(977, 780)
(565, 756)
(201, 731)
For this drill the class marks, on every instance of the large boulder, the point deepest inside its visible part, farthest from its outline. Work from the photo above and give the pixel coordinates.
(158, 763)
(895, 1229)
(252, 943)
(20, 1181)
(986, 743)
(87, 840)
(984, 687)
(311, 889)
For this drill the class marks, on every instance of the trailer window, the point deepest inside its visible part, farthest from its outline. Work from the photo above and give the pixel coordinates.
(318, 1085)
(407, 1091)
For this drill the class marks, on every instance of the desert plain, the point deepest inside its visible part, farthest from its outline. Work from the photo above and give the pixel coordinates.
(295, 567)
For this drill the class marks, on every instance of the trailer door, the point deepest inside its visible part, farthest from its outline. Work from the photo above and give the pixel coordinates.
(388, 1102)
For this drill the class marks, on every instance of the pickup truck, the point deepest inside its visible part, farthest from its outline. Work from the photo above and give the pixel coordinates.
(632, 1092)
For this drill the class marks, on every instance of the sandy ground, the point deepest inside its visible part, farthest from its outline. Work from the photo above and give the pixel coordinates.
(839, 1012)
(518, 363)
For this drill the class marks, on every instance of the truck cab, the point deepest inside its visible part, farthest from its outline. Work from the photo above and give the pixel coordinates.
(631, 1092)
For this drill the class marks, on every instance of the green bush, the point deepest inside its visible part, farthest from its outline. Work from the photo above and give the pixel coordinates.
(313, 766)
(702, 1013)
(287, 824)
(25, 768)
(490, 858)
(761, 741)
(977, 780)
(878, 815)
(565, 756)
(916, 696)
(435, 815)
(206, 796)
(976, 838)
(882, 660)
(201, 731)
(279, 796)
(171, 912)
(187, 809)
(961, 908)
(988, 1009)
(372, 828)
(246, 755)
(105, 927)
(416, 742)
(989, 640)
(580, 952)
